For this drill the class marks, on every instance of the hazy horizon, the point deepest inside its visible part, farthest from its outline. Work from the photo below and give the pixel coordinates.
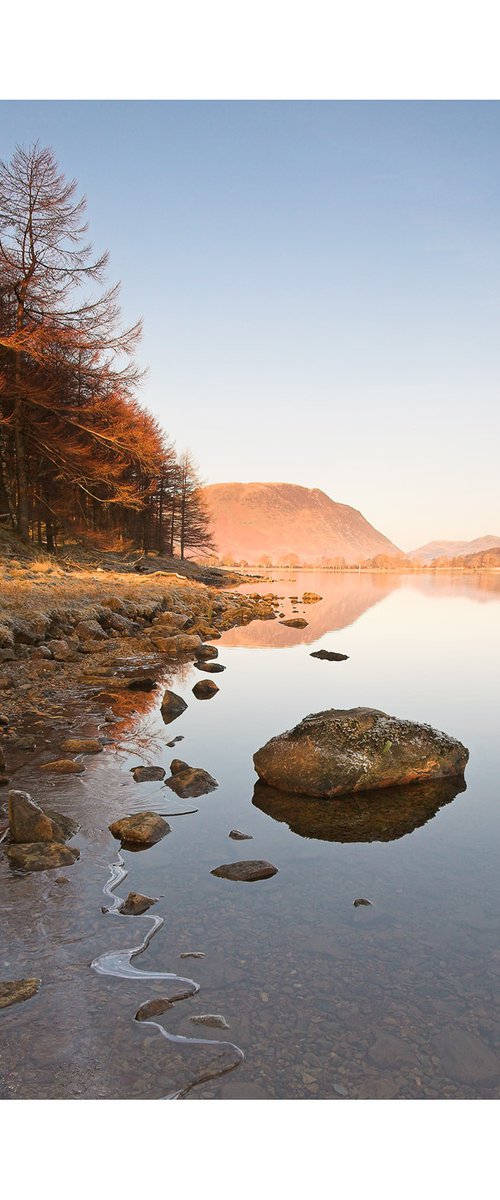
(319, 287)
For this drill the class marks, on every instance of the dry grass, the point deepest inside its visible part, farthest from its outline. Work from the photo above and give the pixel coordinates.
(46, 587)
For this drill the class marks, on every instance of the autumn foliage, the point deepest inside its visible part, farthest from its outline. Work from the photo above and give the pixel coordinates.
(79, 455)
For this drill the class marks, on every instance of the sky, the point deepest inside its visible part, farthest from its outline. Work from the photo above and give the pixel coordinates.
(319, 284)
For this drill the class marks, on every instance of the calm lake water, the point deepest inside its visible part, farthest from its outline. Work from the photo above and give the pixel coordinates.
(325, 1000)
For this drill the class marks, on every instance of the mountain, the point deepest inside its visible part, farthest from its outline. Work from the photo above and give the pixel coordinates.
(252, 520)
(431, 550)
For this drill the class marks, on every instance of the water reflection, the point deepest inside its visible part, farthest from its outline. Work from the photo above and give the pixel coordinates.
(383, 815)
(344, 599)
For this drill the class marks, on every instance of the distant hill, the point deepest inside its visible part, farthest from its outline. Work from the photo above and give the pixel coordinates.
(431, 550)
(485, 559)
(252, 521)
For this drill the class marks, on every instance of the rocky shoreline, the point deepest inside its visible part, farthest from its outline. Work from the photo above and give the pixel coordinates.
(96, 645)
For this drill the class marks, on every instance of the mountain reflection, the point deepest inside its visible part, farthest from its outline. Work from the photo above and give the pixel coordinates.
(344, 598)
(381, 815)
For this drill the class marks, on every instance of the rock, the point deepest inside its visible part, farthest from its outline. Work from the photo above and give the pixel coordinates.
(192, 954)
(27, 822)
(295, 622)
(135, 904)
(16, 990)
(26, 742)
(122, 625)
(4, 780)
(178, 765)
(188, 782)
(361, 901)
(32, 631)
(171, 620)
(41, 652)
(212, 667)
(466, 1058)
(60, 650)
(329, 655)
(204, 652)
(6, 636)
(181, 644)
(388, 1050)
(147, 774)
(311, 598)
(205, 689)
(213, 1020)
(41, 856)
(172, 706)
(237, 836)
(63, 766)
(90, 631)
(142, 685)
(4, 720)
(65, 827)
(341, 751)
(247, 871)
(81, 746)
(153, 1008)
(179, 738)
(5, 682)
(141, 829)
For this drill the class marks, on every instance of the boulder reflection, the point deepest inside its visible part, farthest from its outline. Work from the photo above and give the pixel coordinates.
(381, 815)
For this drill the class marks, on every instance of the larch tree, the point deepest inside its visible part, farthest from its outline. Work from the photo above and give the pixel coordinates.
(193, 519)
(64, 360)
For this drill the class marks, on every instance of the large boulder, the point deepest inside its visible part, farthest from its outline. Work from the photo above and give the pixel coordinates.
(341, 751)
(142, 829)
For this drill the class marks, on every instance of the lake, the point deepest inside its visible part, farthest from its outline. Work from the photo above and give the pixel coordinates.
(324, 1000)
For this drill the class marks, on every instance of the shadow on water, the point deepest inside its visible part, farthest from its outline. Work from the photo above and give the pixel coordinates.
(381, 815)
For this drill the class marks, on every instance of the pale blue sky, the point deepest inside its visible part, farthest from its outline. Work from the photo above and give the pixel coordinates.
(319, 283)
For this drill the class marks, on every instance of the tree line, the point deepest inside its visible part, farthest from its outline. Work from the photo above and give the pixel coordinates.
(79, 456)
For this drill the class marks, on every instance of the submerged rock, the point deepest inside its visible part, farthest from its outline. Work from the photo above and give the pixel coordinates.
(172, 706)
(213, 1020)
(41, 856)
(15, 990)
(329, 655)
(205, 689)
(192, 954)
(311, 598)
(238, 836)
(383, 815)
(147, 774)
(247, 871)
(135, 904)
(212, 667)
(81, 746)
(141, 829)
(361, 901)
(188, 782)
(153, 1008)
(63, 766)
(340, 751)
(295, 622)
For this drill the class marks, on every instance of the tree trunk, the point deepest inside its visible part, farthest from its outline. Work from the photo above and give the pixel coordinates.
(23, 507)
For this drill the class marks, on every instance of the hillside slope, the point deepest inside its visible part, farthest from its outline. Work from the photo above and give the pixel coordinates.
(251, 520)
(445, 549)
